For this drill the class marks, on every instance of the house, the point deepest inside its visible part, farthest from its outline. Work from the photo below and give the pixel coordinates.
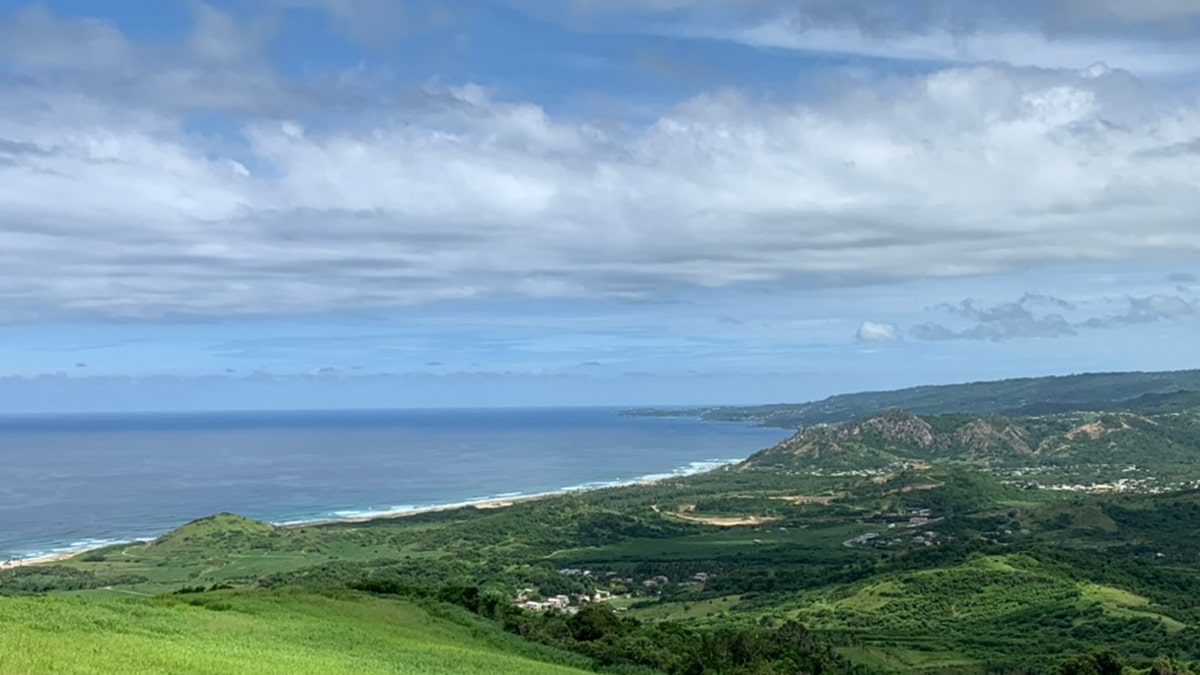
(558, 602)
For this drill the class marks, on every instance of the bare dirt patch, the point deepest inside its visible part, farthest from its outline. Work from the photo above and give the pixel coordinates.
(688, 513)
(824, 500)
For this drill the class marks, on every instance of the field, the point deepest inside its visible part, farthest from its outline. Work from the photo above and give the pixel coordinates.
(254, 632)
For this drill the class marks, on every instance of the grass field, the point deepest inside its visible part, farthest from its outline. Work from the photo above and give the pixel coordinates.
(255, 632)
(227, 548)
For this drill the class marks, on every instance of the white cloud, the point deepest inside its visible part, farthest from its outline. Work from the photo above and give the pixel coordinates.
(1014, 46)
(871, 331)
(1156, 37)
(1167, 18)
(109, 206)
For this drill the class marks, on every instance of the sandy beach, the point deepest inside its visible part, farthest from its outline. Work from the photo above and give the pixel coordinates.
(486, 505)
(41, 560)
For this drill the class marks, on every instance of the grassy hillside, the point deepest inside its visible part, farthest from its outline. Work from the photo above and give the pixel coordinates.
(990, 608)
(254, 632)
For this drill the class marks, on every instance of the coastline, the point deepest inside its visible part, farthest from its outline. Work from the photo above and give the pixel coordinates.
(505, 501)
(485, 503)
(40, 560)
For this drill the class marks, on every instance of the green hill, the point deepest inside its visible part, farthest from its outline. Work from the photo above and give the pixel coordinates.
(222, 528)
(256, 632)
(988, 608)
(1165, 443)
(1137, 392)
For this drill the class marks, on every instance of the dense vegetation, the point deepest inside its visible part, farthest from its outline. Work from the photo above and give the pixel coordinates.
(945, 543)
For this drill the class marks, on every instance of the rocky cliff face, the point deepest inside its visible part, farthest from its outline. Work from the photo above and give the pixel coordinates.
(979, 437)
(896, 436)
(894, 428)
(1111, 438)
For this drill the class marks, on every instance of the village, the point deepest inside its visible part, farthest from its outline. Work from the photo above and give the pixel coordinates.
(528, 598)
(1133, 479)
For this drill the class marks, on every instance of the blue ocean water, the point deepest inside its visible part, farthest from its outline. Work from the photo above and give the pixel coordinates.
(70, 482)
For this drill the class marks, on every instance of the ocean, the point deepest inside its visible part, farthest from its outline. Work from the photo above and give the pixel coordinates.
(73, 482)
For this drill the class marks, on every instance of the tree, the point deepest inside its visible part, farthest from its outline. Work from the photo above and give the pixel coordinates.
(594, 622)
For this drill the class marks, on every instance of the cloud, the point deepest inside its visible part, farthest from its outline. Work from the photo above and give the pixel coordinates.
(110, 207)
(1004, 321)
(943, 46)
(1146, 37)
(1020, 319)
(81, 364)
(221, 66)
(1149, 309)
(1173, 17)
(1181, 278)
(871, 331)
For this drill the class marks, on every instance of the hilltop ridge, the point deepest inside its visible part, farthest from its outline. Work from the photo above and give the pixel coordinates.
(1159, 444)
(1144, 392)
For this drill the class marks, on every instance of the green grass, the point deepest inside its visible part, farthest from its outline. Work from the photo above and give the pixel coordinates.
(729, 543)
(1122, 604)
(988, 608)
(894, 659)
(231, 549)
(689, 611)
(254, 632)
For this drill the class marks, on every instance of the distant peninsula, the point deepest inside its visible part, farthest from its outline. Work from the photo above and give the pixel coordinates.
(1139, 392)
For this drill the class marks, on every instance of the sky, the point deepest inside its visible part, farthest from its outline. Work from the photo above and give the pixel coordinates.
(268, 204)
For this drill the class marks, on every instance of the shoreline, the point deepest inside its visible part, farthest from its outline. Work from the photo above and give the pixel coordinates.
(484, 504)
(503, 501)
(41, 560)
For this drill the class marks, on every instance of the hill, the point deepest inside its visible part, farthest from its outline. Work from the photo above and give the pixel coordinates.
(1157, 392)
(1119, 445)
(216, 530)
(256, 632)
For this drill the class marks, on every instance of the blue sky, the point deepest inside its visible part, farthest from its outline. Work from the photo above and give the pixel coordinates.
(367, 203)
